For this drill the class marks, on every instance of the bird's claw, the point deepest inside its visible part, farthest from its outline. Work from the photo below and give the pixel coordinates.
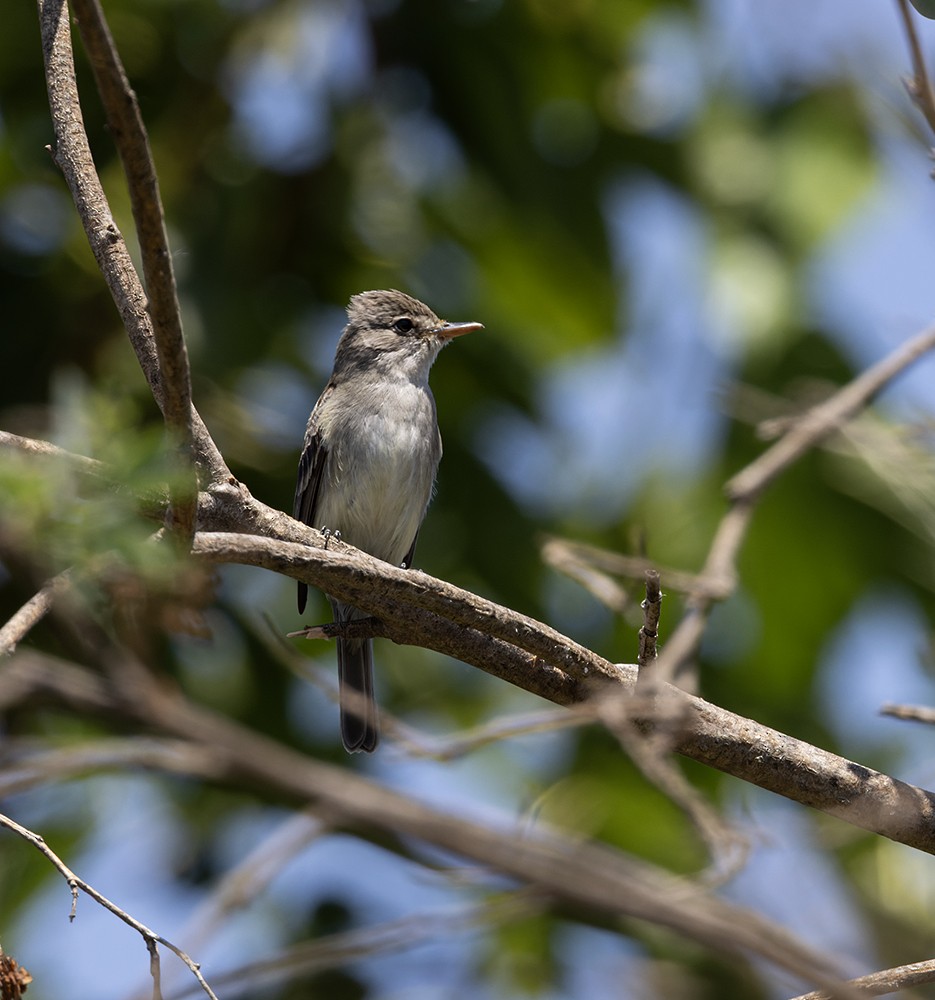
(328, 534)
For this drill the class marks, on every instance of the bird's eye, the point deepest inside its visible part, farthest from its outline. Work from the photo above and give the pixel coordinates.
(403, 325)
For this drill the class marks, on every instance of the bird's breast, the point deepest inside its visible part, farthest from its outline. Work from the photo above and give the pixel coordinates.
(381, 469)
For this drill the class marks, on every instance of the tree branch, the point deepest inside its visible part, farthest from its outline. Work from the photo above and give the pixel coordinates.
(126, 126)
(588, 875)
(73, 156)
(30, 614)
(919, 86)
(824, 419)
(877, 984)
(151, 938)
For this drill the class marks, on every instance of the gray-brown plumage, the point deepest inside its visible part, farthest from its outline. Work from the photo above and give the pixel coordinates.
(369, 460)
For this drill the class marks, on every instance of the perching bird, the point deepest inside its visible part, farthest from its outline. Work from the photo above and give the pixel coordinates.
(368, 465)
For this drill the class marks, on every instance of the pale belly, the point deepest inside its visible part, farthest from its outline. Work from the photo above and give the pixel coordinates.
(380, 483)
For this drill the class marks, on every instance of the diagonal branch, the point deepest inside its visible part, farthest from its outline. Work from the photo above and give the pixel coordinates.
(919, 86)
(718, 577)
(579, 874)
(31, 613)
(827, 417)
(73, 156)
(126, 126)
(150, 937)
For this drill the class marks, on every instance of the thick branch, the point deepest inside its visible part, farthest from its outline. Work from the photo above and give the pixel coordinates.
(450, 618)
(711, 735)
(414, 608)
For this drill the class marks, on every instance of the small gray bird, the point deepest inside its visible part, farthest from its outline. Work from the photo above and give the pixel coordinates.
(368, 465)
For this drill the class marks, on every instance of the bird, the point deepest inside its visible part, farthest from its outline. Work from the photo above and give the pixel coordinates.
(369, 460)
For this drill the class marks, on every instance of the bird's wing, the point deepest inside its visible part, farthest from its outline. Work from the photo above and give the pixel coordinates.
(308, 482)
(411, 554)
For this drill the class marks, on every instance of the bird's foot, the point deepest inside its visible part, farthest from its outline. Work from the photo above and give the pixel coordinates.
(328, 534)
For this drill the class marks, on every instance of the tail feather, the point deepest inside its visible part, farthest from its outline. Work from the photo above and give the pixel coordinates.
(359, 722)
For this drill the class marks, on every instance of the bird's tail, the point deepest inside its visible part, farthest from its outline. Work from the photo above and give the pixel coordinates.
(360, 728)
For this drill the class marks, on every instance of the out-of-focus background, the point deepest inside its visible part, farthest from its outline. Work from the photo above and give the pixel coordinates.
(674, 220)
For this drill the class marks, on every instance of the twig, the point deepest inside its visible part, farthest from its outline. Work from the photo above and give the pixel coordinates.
(248, 880)
(911, 713)
(919, 87)
(561, 553)
(825, 418)
(717, 580)
(31, 613)
(129, 132)
(719, 572)
(876, 984)
(20, 773)
(649, 630)
(45, 449)
(392, 936)
(77, 885)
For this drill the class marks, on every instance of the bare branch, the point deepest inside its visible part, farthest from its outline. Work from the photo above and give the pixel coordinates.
(33, 446)
(20, 773)
(911, 713)
(877, 984)
(73, 156)
(565, 555)
(919, 87)
(151, 938)
(649, 630)
(719, 572)
(392, 936)
(825, 418)
(30, 614)
(415, 608)
(562, 556)
(129, 132)
(587, 875)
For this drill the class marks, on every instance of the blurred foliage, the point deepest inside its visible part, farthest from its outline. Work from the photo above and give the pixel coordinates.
(492, 157)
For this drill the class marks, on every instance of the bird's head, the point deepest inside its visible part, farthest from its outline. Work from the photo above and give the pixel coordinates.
(391, 331)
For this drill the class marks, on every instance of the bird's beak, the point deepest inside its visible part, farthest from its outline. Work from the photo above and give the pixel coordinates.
(448, 331)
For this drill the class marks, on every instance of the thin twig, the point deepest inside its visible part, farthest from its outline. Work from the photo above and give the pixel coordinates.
(45, 449)
(919, 87)
(652, 608)
(76, 885)
(910, 713)
(31, 613)
(250, 878)
(392, 936)
(560, 552)
(825, 418)
(744, 489)
(876, 984)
